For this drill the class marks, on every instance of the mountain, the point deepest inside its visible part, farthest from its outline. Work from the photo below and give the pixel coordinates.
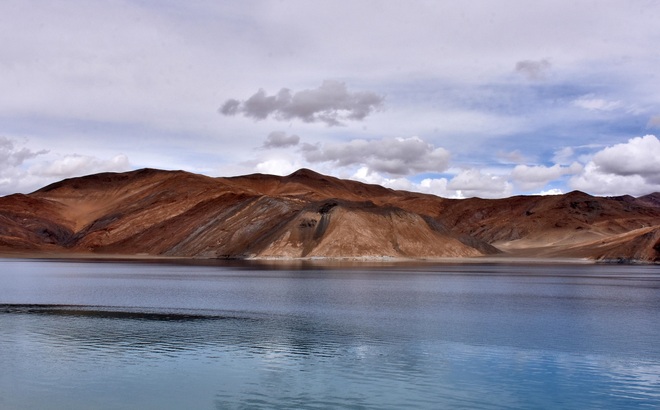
(307, 215)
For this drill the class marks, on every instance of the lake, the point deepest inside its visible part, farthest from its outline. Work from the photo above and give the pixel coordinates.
(150, 335)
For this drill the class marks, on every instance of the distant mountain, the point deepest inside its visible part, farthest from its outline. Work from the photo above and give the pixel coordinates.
(306, 215)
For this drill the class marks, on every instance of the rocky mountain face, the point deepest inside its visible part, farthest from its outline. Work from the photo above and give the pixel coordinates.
(306, 214)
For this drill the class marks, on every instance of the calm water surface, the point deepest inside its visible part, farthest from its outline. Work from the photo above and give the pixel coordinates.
(92, 335)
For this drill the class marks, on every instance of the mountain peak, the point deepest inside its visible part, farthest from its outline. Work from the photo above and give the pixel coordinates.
(306, 173)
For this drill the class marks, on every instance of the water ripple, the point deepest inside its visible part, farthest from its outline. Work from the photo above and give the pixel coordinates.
(312, 340)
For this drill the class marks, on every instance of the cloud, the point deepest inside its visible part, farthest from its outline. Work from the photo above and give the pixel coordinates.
(20, 171)
(552, 191)
(393, 156)
(77, 165)
(437, 186)
(434, 186)
(276, 167)
(122, 71)
(533, 70)
(10, 156)
(537, 176)
(595, 182)
(639, 156)
(230, 107)
(364, 174)
(331, 104)
(563, 156)
(631, 168)
(474, 183)
(13, 165)
(591, 103)
(279, 139)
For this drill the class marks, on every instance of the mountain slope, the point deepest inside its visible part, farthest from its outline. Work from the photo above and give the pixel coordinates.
(306, 214)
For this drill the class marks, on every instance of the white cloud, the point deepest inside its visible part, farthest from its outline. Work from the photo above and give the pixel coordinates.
(363, 174)
(537, 176)
(639, 156)
(593, 181)
(474, 183)
(631, 168)
(393, 156)
(79, 165)
(591, 103)
(553, 191)
(434, 186)
(13, 164)
(24, 170)
(331, 104)
(277, 166)
(563, 156)
(438, 186)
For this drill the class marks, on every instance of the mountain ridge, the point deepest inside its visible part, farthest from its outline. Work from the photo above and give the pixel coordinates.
(311, 215)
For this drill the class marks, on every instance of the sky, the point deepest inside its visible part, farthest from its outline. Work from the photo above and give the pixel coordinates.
(457, 99)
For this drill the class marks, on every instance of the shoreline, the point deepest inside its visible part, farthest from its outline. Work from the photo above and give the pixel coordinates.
(366, 260)
(503, 258)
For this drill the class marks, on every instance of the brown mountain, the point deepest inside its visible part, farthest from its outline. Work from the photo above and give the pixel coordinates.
(306, 214)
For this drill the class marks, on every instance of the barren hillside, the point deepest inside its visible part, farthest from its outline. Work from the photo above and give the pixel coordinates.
(306, 214)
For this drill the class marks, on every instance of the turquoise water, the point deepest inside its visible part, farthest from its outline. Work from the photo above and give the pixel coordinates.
(91, 335)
